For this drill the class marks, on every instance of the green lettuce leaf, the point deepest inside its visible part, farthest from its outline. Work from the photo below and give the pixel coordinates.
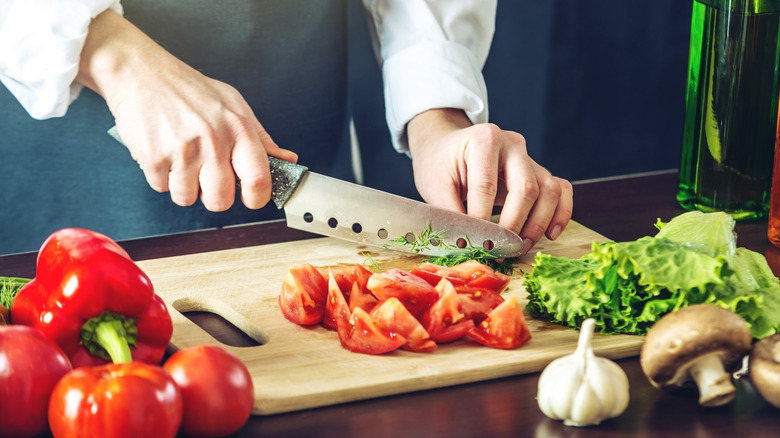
(627, 286)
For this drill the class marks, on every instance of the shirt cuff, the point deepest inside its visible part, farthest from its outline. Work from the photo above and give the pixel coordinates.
(40, 48)
(433, 74)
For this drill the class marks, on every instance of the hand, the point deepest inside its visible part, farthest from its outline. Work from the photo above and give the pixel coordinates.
(455, 161)
(191, 135)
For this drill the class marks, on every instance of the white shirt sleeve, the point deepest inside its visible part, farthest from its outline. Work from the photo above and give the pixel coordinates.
(40, 48)
(432, 55)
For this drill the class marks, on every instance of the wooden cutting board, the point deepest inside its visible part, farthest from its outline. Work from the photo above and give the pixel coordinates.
(297, 368)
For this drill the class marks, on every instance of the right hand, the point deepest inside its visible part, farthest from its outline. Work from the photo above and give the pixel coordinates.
(192, 136)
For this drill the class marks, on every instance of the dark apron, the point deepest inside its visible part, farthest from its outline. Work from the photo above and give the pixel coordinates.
(288, 58)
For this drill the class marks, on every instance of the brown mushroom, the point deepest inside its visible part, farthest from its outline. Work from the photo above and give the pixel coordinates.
(703, 343)
(764, 368)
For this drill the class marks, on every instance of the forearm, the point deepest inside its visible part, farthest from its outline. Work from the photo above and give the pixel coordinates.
(40, 45)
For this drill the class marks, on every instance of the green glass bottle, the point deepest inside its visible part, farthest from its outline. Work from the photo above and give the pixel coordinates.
(731, 107)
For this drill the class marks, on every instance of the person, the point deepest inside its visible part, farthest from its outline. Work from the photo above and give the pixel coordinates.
(193, 134)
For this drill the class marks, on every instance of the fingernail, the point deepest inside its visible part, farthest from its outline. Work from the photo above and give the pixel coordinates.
(556, 231)
(527, 244)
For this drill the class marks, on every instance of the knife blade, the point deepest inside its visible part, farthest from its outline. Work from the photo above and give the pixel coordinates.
(332, 207)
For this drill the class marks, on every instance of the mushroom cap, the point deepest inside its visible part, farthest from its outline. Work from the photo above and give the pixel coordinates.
(764, 368)
(681, 337)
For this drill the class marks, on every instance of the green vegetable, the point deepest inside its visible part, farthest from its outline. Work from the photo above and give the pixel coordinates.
(627, 286)
(9, 287)
(428, 238)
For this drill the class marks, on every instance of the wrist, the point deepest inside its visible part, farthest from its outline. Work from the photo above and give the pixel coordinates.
(435, 123)
(112, 46)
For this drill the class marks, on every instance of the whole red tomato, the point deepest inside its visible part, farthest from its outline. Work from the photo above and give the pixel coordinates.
(30, 366)
(216, 388)
(132, 399)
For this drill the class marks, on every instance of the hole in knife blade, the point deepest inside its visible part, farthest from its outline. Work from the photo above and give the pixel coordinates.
(435, 242)
(461, 243)
(410, 237)
(357, 228)
(488, 245)
(308, 218)
(382, 233)
(333, 223)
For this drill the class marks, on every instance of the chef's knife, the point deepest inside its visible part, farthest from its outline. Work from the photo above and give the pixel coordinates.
(323, 205)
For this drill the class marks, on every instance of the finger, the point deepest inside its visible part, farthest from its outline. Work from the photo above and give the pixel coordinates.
(563, 210)
(217, 185)
(542, 212)
(183, 185)
(271, 148)
(482, 163)
(250, 164)
(522, 190)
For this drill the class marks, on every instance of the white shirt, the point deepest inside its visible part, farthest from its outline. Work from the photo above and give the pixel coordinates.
(432, 54)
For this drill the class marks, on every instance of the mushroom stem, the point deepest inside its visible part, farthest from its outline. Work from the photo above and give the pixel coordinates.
(715, 387)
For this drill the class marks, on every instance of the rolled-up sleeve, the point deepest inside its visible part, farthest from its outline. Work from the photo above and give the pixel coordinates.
(432, 57)
(40, 48)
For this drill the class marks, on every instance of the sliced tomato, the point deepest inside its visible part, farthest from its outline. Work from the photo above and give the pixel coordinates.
(504, 327)
(361, 297)
(433, 273)
(477, 303)
(346, 276)
(360, 334)
(482, 276)
(471, 273)
(415, 293)
(392, 316)
(303, 296)
(336, 305)
(443, 320)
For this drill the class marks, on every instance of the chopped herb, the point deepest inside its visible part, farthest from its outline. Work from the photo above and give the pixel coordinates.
(428, 238)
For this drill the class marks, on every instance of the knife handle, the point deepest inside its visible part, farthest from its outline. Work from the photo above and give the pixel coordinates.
(285, 175)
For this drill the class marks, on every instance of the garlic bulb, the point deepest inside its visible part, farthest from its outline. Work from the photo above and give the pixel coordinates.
(582, 389)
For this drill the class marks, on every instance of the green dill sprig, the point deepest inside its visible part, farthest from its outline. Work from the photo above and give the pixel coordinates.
(9, 287)
(428, 238)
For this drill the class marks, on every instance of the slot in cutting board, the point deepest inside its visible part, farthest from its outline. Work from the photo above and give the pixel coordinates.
(298, 368)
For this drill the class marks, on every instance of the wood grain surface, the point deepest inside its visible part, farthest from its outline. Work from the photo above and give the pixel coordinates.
(296, 368)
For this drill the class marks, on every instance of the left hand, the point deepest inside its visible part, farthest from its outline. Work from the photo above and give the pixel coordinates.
(456, 161)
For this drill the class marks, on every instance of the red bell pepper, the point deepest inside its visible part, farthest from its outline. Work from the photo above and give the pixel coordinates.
(93, 301)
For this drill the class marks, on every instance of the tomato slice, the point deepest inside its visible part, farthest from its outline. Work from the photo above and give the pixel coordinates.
(433, 273)
(477, 303)
(346, 276)
(504, 327)
(415, 293)
(361, 297)
(482, 276)
(471, 273)
(360, 334)
(336, 305)
(392, 316)
(303, 296)
(443, 319)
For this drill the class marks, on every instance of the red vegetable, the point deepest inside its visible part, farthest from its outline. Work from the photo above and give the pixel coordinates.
(30, 366)
(414, 292)
(132, 400)
(93, 301)
(216, 389)
(396, 308)
(504, 327)
(303, 295)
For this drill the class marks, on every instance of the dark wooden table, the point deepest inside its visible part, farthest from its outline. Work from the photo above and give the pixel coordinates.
(621, 209)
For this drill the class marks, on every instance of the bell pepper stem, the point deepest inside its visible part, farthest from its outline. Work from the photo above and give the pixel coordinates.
(110, 336)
